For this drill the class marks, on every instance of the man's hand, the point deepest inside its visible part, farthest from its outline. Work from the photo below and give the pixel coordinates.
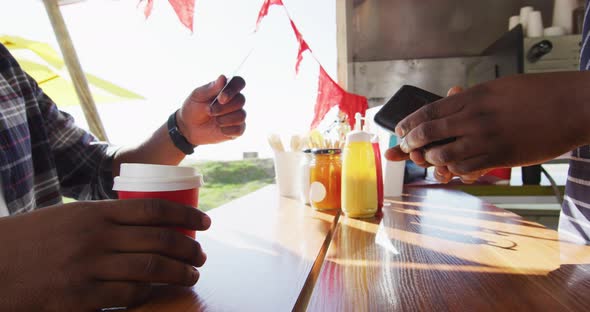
(441, 173)
(203, 122)
(201, 119)
(513, 121)
(90, 255)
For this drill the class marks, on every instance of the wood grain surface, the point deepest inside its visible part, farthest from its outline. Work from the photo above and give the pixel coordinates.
(440, 250)
(260, 252)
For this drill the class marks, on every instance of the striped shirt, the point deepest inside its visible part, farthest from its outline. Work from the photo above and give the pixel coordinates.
(43, 154)
(574, 222)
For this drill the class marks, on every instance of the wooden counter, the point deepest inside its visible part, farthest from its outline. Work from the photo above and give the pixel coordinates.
(433, 250)
(440, 250)
(260, 251)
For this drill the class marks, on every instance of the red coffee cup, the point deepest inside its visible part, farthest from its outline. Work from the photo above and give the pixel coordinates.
(501, 175)
(177, 184)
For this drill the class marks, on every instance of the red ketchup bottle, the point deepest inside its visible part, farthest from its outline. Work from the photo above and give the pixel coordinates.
(379, 167)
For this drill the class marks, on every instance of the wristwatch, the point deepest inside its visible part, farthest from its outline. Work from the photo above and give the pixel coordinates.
(177, 138)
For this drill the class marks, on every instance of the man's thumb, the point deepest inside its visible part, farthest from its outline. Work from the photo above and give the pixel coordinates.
(209, 91)
(454, 90)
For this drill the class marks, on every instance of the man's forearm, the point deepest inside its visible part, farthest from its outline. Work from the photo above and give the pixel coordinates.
(576, 88)
(158, 149)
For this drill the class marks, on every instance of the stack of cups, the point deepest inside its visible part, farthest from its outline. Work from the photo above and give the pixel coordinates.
(177, 184)
(288, 173)
(563, 14)
(524, 17)
(513, 22)
(535, 25)
(531, 21)
(554, 31)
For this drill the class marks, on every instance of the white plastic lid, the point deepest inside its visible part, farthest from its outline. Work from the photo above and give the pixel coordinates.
(156, 178)
(358, 136)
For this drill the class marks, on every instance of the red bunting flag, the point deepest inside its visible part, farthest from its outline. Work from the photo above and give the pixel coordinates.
(302, 46)
(330, 94)
(185, 10)
(264, 9)
(147, 11)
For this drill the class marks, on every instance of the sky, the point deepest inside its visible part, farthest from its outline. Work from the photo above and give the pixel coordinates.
(161, 60)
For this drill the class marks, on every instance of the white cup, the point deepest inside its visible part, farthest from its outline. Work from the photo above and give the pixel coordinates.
(304, 177)
(535, 25)
(563, 14)
(513, 22)
(524, 16)
(393, 178)
(554, 31)
(288, 173)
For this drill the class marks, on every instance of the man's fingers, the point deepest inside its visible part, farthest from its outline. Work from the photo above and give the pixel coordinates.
(453, 152)
(155, 212)
(432, 131)
(396, 154)
(236, 104)
(148, 268)
(474, 176)
(471, 166)
(468, 179)
(209, 91)
(454, 90)
(417, 157)
(157, 240)
(232, 119)
(442, 174)
(119, 294)
(234, 131)
(236, 85)
(433, 111)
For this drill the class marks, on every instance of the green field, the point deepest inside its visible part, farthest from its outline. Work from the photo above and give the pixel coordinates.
(225, 181)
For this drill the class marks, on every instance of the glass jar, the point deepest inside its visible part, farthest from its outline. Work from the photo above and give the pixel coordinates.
(325, 170)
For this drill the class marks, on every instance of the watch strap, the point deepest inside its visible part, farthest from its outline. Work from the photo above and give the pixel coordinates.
(177, 137)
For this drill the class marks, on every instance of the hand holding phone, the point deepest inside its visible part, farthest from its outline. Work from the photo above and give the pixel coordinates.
(403, 103)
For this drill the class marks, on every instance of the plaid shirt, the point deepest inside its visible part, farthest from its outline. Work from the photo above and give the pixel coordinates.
(43, 154)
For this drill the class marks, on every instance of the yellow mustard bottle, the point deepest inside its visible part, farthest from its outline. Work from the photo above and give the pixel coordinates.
(359, 174)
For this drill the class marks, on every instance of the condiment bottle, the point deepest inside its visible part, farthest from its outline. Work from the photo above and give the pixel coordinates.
(359, 174)
(325, 170)
(379, 167)
(304, 175)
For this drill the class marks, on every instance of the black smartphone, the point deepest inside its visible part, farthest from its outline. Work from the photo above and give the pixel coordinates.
(403, 103)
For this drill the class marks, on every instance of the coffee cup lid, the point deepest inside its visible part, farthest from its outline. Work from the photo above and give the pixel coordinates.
(156, 178)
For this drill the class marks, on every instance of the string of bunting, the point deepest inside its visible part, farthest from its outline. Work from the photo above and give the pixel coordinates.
(184, 9)
(330, 94)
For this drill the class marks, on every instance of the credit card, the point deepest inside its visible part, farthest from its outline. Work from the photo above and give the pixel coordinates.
(234, 74)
